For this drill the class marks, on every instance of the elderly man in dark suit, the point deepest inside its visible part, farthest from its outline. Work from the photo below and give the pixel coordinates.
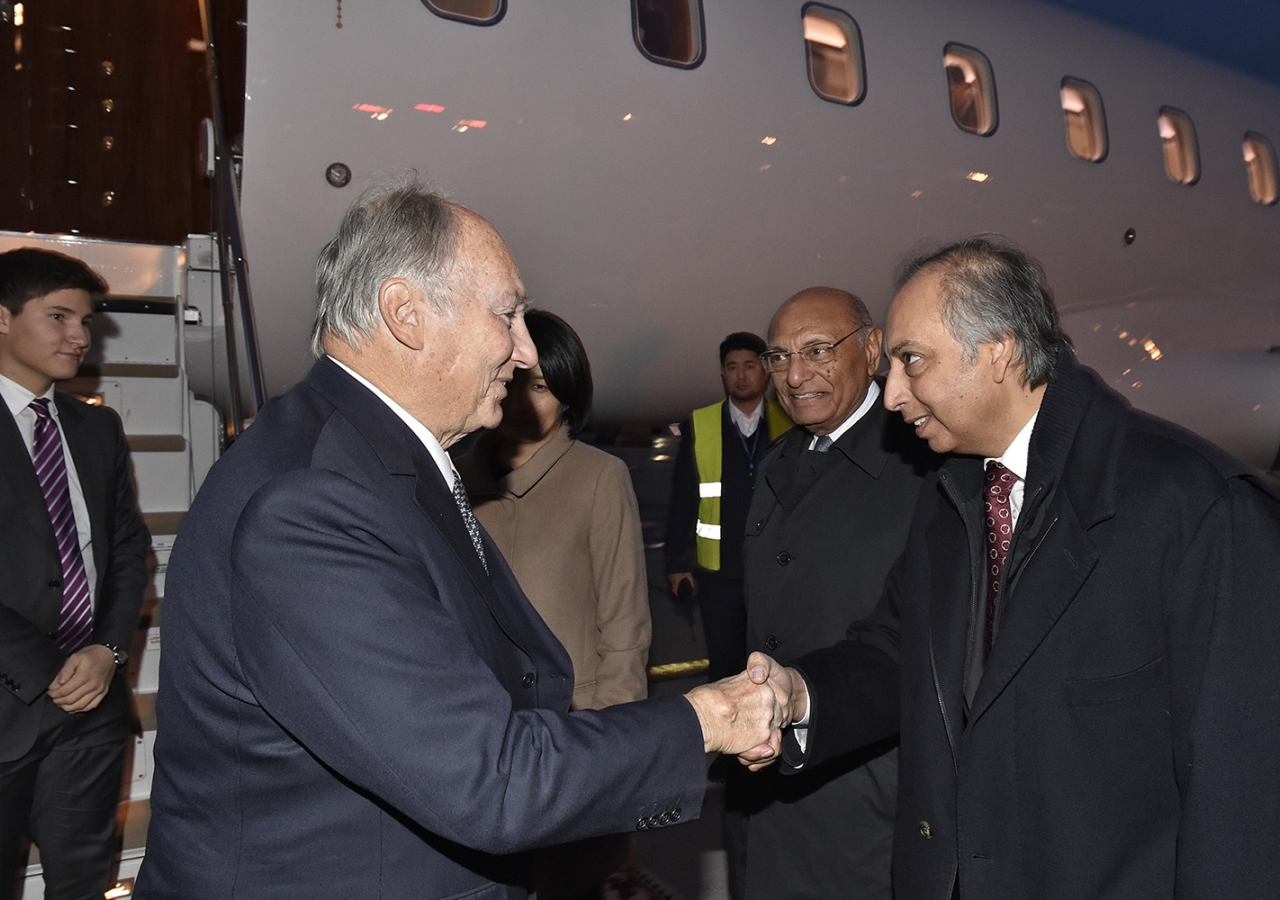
(1078, 645)
(356, 700)
(828, 517)
(72, 572)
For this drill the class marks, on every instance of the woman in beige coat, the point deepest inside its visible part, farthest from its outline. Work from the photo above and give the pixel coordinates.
(564, 515)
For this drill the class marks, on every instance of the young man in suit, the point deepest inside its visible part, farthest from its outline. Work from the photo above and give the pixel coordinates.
(73, 566)
(356, 699)
(1078, 645)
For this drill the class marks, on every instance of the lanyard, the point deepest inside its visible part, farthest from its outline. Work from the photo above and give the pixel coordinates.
(750, 450)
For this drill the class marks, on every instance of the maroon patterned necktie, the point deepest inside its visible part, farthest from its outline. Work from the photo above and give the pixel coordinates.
(75, 625)
(1000, 482)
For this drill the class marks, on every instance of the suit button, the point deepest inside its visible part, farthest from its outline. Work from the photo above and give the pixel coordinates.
(783, 558)
(925, 831)
(642, 823)
(528, 679)
(675, 814)
(771, 642)
(664, 819)
(53, 582)
(653, 822)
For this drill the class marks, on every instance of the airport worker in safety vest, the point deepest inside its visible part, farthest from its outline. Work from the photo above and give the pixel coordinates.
(711, 490)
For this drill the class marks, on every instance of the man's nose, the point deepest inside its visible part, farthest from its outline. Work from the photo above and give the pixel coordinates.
(896, 393)
(524, 354)
(798, 371)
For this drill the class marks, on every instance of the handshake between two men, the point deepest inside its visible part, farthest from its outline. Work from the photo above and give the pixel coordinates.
(744, 715)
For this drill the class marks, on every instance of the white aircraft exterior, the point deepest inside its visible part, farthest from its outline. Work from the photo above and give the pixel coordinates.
(658, 207)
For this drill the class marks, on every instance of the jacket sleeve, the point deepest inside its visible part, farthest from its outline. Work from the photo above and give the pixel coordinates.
(853, 684)
(350, 631)
(1224, 648)
(682, 513)
(621, 589)
(120, 598)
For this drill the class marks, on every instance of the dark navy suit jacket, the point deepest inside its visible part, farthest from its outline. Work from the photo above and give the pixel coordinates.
(350, 707)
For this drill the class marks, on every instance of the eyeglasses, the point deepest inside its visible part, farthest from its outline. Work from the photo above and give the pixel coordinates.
(816, 355)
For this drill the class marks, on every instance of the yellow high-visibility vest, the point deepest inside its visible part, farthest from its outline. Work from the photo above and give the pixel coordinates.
(708, 453)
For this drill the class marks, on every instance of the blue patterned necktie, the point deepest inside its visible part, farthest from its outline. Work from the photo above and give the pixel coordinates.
(75, 624)
(469, 519)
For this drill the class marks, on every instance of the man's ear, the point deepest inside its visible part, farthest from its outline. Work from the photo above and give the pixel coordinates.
(5, 317)
(1000, 356)
(401, 307)
(875, 341)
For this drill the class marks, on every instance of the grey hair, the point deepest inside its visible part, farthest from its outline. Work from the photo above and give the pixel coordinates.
(396, 229)
(992, 289)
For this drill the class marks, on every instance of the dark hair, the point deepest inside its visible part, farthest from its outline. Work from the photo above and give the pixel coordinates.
(564, 365)
(741, 340)
(991, 288)
(29, 272)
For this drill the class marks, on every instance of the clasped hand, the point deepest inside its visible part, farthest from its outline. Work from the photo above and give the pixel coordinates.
(744, 715)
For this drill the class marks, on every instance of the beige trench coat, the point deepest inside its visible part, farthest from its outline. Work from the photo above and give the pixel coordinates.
(569, 526)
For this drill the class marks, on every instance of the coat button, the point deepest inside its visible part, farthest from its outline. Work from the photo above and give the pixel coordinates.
(664, 819)
(675, 814)
(642, 823)
(53, 582)
(528, 679)
(771, 642)
(925, 831)
(783, 558)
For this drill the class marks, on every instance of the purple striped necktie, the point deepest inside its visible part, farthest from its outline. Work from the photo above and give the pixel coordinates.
(75, 626)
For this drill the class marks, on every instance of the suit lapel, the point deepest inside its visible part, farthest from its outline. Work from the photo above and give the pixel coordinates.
(1054, 573)
(18, 479)
(403, 455)
(782, 475)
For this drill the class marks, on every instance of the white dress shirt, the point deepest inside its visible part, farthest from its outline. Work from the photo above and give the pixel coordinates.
(1014, 459)
(747, 423)
(429, 440)
(873, 395)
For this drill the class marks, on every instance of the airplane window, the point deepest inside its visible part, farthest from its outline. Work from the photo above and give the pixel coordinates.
(1260, 158)
(669, 31)
(1181, 154)
(833, 48)
(1086, 123)
(972, 89)
(476, 12)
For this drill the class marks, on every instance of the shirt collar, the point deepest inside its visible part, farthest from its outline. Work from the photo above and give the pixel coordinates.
(746, 422)
(429, 440)
(873, 394)
(1015, 455)
(18, 398)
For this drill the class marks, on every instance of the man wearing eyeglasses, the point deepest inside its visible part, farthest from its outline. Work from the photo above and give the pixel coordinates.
(829, 516)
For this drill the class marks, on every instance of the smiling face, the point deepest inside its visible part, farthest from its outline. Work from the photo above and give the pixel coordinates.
(46, 340)
(821, 397)
(473, 353)
(953, 402)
